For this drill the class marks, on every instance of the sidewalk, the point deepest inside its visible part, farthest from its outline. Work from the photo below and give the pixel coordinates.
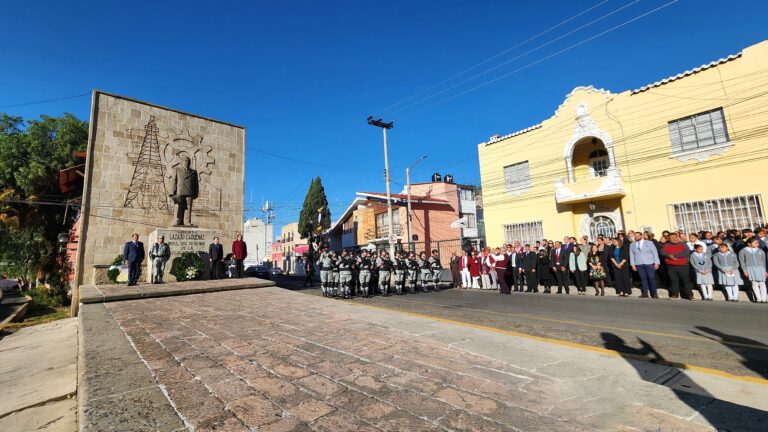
(279, 360)
(38, 375)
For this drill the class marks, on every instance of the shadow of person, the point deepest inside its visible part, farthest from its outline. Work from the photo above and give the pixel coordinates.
(754, 354)
(721, 415)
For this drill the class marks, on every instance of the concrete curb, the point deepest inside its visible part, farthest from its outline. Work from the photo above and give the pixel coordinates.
(116, 390)
(110, 293)
(17, 315)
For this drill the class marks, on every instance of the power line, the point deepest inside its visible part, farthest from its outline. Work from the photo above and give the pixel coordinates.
(385, 110)
(45, 101)
(591, 38)
(472, 78)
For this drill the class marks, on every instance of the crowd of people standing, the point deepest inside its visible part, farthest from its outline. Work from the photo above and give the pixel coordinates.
(160, 253)
(679, 261)
(347, 274)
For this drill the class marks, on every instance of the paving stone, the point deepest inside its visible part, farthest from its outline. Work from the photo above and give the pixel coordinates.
(367, 384)
(255, 411)
(341, 421)
(173, 375)
(311, 410)
(402, 421)
(468, 401)
(286, 424)
(290, 371)
(463, 421)
(229, 424)
(332, 370)
(364, 407)
(276, 360)
(419, 405)
(320, 385)
(273, 387)
(231, 389)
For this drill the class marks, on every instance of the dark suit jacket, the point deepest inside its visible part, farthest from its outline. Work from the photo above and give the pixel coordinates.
(564, 257)
(529, 261)
(185, 183)
(216, 251)
(133, 252)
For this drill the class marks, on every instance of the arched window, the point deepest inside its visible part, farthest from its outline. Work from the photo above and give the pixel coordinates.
(599, 163)
(601, 225)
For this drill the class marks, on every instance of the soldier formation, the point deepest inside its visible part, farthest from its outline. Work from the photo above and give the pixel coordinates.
(349, 274)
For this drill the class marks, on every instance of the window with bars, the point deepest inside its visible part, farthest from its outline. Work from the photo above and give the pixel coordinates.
(739, 212)
(517, 178)
(524, 232)
(598, 162)
(698, 131)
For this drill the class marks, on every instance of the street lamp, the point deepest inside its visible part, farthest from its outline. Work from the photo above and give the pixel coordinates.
(63, 239)
(384, 126)
(408, 191)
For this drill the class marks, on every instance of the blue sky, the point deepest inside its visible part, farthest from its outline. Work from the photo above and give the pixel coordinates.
(302, 76)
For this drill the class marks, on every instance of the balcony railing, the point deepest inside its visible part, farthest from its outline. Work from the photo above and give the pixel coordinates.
(610, 186)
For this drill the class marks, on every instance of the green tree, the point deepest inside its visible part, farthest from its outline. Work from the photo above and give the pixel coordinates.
(31, 203)
(314, 201)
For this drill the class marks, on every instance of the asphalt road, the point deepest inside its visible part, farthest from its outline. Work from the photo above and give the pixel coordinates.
(732, 337)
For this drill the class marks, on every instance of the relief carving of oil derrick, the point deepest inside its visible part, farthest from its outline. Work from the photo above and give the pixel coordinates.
(147, 189)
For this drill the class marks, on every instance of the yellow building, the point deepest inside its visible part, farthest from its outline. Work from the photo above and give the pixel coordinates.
(687, 152)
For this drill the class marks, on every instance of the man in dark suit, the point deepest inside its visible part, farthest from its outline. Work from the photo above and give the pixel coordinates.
(528, 264)
(185, 191)
(558, 257)
(455, 272)
(215, 255)
(133, 256)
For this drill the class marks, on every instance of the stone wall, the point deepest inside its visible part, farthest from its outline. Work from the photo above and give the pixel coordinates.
(114, 206)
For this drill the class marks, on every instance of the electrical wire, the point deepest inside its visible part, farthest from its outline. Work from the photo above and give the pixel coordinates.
(495, 56)
(45, 101)
(556, 53)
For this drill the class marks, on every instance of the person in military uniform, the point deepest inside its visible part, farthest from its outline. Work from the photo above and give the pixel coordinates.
(374, 272)
(413, 272)
(325, 262)
(426, 270)
(365, 264)
(436, 267)
(384, 264)
(185, 190)
(356, 273)
(159, 254)
(335, 259)
(401, 267)
(346, 264)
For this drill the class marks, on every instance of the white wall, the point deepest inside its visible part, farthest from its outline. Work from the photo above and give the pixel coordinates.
(258, 236)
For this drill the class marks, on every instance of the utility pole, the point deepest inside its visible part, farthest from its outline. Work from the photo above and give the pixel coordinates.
(408, 191)
(384, 127)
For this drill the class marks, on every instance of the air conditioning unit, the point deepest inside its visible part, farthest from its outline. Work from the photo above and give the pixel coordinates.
(437, 178)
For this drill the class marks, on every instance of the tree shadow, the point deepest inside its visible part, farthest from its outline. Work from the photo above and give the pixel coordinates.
(754, 354)
(722, 415)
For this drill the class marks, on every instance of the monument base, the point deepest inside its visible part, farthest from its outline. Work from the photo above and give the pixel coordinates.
(181, 239)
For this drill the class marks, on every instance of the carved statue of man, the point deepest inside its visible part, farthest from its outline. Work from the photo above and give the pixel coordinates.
(185, 190)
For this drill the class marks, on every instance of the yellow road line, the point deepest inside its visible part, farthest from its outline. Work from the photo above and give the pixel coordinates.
(600, 326)
(600, 350)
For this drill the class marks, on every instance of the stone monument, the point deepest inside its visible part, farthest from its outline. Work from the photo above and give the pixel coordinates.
(185, 191)
(155, 171)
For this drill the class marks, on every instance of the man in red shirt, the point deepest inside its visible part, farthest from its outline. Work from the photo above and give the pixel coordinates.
(239, 252)
(676, 255)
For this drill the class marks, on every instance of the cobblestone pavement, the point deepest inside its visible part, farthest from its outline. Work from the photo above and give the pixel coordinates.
(275, 360)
